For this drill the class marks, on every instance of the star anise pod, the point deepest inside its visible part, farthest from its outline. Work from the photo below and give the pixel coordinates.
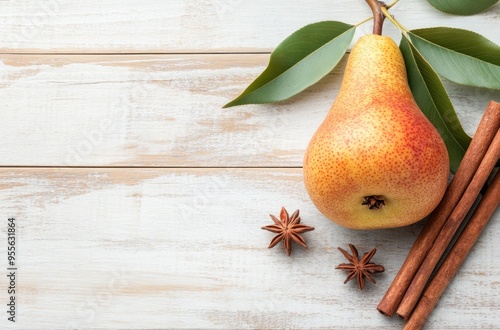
(288, 229)
(360, 269)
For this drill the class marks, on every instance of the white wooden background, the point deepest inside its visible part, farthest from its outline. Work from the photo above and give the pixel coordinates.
(139, 201)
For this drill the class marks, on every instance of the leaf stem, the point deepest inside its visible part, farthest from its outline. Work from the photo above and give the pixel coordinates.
(386, 14)
(378, 17)
(363, 21)
(392, 4)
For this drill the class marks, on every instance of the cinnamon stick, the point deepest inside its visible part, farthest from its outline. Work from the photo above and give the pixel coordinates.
(449, 229)
(485, 132)
(457, 255)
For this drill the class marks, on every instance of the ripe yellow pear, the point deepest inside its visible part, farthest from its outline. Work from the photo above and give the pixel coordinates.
(376, 161)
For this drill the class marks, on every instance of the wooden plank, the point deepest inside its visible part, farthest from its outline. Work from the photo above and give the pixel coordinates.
(183, 248)
(162, 110)
(139, 26)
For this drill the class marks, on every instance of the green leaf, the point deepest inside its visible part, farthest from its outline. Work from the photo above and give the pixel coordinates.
(431, 97)
(298, 62)
(462, 56)
(462, 7)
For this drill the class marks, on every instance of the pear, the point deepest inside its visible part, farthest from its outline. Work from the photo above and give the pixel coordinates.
(376, 161)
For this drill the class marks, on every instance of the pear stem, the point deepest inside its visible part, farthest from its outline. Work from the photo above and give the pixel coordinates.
(378, 16)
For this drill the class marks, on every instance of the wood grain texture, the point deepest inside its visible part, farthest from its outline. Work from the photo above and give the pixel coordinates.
(163, 110)
(183, 248)
(138, 85)
(139, 26)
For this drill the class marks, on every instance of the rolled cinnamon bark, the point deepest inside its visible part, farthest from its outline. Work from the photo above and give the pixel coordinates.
(449, 229)
(457, 255)
(487, 128)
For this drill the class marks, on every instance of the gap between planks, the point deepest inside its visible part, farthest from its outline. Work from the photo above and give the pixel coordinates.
(145, 167)
(134, 53)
